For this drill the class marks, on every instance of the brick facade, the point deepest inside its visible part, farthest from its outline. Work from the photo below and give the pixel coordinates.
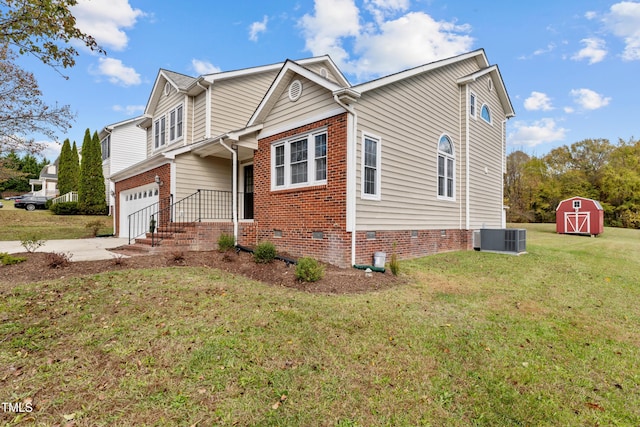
(148, 177)
(289, 218)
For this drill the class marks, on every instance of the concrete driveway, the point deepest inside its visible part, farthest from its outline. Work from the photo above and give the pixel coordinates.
(80, 249)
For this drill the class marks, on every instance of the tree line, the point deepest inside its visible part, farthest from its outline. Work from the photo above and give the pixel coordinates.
(592, 168)
(76, 173)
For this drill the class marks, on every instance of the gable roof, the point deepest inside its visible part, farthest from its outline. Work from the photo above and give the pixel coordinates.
(109, 128)
(279, 85)
(479, 55)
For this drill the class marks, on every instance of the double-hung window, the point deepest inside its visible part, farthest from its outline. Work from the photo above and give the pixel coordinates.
(371, 149)
(175, 124)
(159, 132)
(446, 168)
(106, 147)
(299, 161)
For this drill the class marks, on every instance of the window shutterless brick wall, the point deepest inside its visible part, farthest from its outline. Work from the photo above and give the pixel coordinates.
(148, 177)
(295, 214)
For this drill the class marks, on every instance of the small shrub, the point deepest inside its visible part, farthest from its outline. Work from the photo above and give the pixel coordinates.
(95, 226)
(226, 242)
(58, 259)
(65, 208)
(119, 260)
(177, 257)
(309, 270)
(6, 259)
(264, 253)
(31, 243)
(394, 264)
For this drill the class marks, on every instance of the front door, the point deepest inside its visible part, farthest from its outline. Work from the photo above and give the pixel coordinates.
(248, 192)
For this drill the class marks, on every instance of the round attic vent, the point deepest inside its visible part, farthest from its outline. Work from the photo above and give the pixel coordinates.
(490, 84)
(295, 90)
(324, 73)
(167, 88)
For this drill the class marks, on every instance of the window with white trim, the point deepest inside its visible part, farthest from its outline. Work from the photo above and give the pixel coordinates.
(472, 105)
(159, 135)
(175, 121)
(371, 149)
(485, 113)
(300, 161)
(106, 147)
(175, 124)
(446, 168)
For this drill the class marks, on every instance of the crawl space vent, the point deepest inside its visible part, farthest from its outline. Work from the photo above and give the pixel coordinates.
(295, 90)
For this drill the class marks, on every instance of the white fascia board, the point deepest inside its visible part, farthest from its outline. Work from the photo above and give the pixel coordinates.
(501, 88)
(138, 168)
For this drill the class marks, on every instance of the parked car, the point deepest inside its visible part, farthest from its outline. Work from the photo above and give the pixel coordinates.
(0, 204)
(31, 203)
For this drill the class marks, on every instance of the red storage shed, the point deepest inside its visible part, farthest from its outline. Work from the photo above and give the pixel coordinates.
(579, 215)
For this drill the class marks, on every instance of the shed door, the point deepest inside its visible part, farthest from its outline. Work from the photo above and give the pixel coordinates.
(577, 222)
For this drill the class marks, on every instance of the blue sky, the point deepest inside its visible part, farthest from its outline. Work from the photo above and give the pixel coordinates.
(569, 67)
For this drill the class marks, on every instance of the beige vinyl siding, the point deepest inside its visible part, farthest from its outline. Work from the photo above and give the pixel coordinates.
(164, 105)
(486, 156)
(410, 116)
(199, 117)
(317, 68)
(286, 114)
(194, 173)
(233, 101)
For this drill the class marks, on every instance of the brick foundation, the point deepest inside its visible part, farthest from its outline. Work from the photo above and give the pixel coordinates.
(410, 244)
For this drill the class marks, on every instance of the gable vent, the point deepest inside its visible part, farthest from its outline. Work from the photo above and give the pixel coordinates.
(167, 88)
(295, 90)
(324, 73)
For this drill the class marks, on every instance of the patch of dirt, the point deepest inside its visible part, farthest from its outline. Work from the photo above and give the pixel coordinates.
(38, 267)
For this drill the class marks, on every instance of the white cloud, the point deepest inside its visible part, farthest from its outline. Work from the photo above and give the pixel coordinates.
(590, 15)
(539, 132)
(594, 50)
(105, 21)
(588, 99)
(623, 20)
(333, 21)
(257, 28)
(117, 72)
(393, 41)
(129, 110)
(50, 150)
(538, 101)
(568, 110)
(204, 67)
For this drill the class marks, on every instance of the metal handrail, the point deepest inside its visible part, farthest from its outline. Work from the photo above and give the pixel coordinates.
(171, 218)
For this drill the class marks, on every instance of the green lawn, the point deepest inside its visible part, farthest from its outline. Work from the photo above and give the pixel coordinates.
(548, 338)
(18, 224)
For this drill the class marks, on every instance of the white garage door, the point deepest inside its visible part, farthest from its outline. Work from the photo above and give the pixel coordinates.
(132, 201)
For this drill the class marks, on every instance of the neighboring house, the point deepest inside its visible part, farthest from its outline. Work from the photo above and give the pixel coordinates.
(123, 144)
(293, 154)
(48, 181)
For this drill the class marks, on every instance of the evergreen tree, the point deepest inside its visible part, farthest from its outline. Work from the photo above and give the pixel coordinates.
(74, 167)
(65, 168)
(91, 195)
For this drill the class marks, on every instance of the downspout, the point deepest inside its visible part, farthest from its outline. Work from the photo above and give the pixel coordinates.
(466, 165)
(234, 183)
(351, 170)
(504, 167)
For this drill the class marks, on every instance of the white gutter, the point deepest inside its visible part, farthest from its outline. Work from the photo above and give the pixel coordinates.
(351, 173)
(234, 196)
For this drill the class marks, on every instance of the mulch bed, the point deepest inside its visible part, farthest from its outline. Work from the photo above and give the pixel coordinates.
(42, 266)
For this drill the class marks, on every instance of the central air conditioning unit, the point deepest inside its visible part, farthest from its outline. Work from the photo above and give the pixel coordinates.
(505, 240)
